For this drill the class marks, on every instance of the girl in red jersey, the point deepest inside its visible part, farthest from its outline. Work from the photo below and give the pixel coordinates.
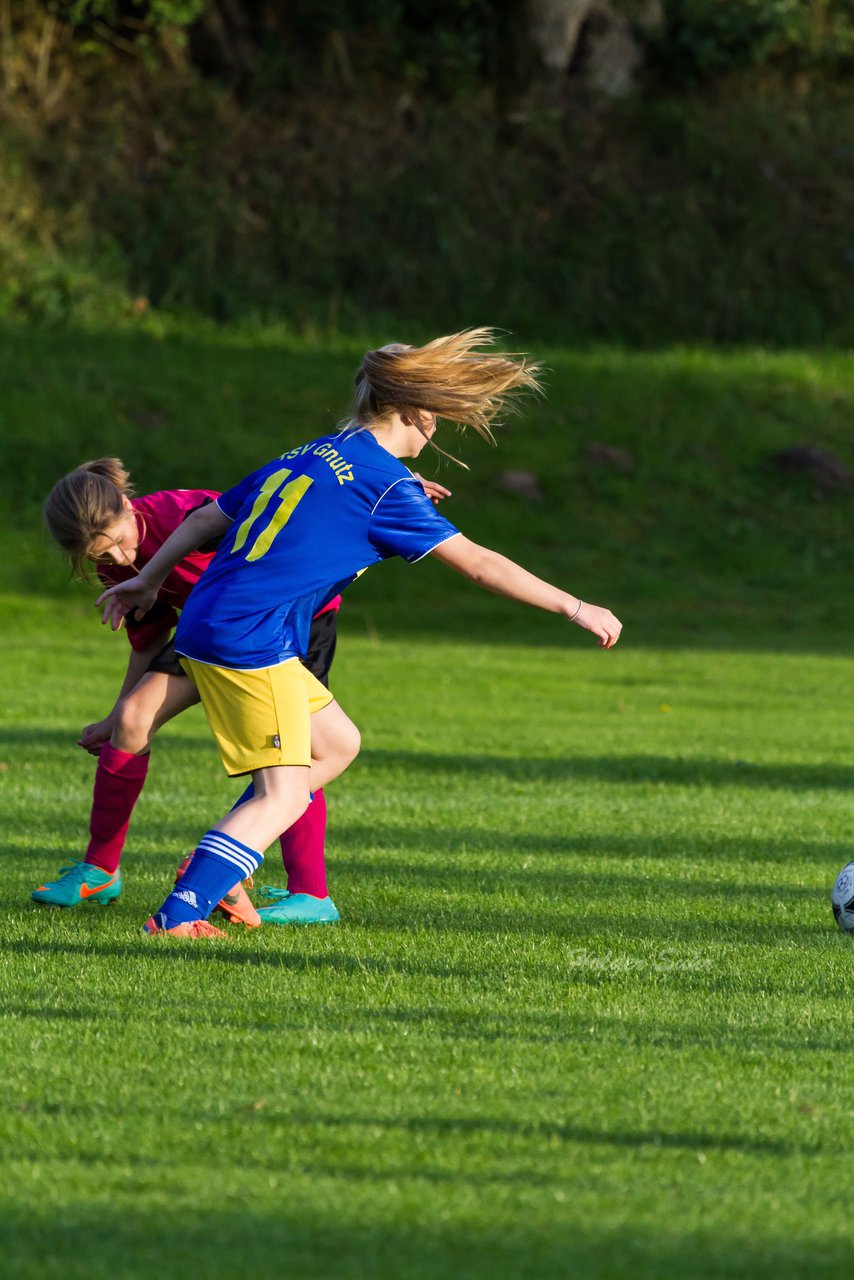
(93, 517)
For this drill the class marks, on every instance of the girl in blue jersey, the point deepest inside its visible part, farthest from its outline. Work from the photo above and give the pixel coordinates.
(294, 533)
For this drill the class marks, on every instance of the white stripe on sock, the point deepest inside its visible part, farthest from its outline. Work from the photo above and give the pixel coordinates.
(219, 845)
(245, 865)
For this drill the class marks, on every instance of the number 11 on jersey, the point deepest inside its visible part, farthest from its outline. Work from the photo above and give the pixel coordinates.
(290, 494)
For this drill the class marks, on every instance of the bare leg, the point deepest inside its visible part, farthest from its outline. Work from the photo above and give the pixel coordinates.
(123, 761)
(281, 793)
(157, 698)
(335, 743)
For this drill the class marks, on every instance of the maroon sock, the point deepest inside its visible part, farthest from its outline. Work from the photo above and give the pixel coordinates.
(118, 781)
(302, 850)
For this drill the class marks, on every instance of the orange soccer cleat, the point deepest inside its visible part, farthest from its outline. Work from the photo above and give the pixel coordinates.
(189, 929)
(236, 906)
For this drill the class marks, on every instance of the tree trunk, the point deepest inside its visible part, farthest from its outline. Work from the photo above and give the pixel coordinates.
(555, 28)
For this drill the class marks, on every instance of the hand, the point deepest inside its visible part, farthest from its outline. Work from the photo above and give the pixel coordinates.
(435, 492)
(600, 622)
(134, 596)
(95, 735)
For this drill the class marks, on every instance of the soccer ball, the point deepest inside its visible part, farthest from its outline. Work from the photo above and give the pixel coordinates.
(842, 899)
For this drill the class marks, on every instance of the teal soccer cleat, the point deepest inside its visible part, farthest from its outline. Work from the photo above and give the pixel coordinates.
(79, 882)
(297, 908)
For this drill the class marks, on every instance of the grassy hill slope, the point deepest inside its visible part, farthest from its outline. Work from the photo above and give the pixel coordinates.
(687, 530)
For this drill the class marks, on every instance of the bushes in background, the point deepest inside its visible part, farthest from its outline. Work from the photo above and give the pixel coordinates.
(155, 171)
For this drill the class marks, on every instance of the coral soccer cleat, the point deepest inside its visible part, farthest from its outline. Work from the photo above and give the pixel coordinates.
(236, 906)
(189, 928)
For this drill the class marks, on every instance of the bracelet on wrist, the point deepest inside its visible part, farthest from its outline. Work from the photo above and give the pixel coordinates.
(573, 616)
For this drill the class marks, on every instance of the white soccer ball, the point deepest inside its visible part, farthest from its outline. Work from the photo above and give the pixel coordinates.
(842, 899)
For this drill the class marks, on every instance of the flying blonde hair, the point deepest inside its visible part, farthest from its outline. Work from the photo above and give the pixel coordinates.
(448, 377)
(83, 504)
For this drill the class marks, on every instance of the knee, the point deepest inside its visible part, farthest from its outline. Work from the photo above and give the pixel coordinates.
(132, 730)
(351, 744)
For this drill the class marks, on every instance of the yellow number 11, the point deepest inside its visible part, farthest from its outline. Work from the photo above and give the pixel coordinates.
(290, 495)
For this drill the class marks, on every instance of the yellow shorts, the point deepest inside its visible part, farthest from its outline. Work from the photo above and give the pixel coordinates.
(259, 718)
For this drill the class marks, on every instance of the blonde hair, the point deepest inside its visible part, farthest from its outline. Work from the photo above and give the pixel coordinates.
(448, 377)
(83, 504)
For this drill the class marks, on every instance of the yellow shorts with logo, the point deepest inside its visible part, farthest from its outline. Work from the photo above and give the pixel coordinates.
(259, 718)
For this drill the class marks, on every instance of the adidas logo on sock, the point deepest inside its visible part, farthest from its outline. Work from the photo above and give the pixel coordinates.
(187, 895)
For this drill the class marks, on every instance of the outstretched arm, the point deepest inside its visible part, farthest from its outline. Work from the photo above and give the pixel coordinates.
(138, 594)
(506, 578)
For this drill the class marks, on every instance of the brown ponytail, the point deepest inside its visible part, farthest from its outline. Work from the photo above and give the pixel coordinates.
(83, 504)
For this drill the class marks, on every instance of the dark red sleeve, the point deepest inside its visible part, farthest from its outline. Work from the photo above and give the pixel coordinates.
(163, 512)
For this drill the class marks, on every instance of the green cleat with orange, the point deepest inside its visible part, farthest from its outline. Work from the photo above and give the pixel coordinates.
(79, 882)
(297, 908)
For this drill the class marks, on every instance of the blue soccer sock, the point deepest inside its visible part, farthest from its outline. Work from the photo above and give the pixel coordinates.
(215, 868)
(248, 794)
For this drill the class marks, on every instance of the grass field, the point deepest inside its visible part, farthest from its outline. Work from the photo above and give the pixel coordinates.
(587, 1013)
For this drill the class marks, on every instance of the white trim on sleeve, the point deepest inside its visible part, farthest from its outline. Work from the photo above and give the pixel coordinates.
(225, 513)
(447, 538)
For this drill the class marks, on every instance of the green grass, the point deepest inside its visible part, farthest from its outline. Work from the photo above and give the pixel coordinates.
(586, 1011)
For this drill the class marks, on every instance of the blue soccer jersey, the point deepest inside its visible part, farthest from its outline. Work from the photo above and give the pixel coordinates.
(304, 526)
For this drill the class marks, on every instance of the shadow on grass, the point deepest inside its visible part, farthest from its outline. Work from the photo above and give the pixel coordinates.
(667, 770)
(218, 952)
(444, 1126)
(370, 1229)
(434, 1023)
(440, 1128)
(460, 843)
(633, 769)
(639, 958)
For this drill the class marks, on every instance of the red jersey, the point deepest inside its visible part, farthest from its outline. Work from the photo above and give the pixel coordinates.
(158, 515)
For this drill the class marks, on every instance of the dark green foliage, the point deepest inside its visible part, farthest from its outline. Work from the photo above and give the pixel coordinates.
(118, 14)
(451, 42)
(703, 38)
(329, 162)
(724, 221)
(444, 44)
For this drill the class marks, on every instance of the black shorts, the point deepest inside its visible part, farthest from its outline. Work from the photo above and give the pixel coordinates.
(167, 662)
(321, 650)
(322, 639)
